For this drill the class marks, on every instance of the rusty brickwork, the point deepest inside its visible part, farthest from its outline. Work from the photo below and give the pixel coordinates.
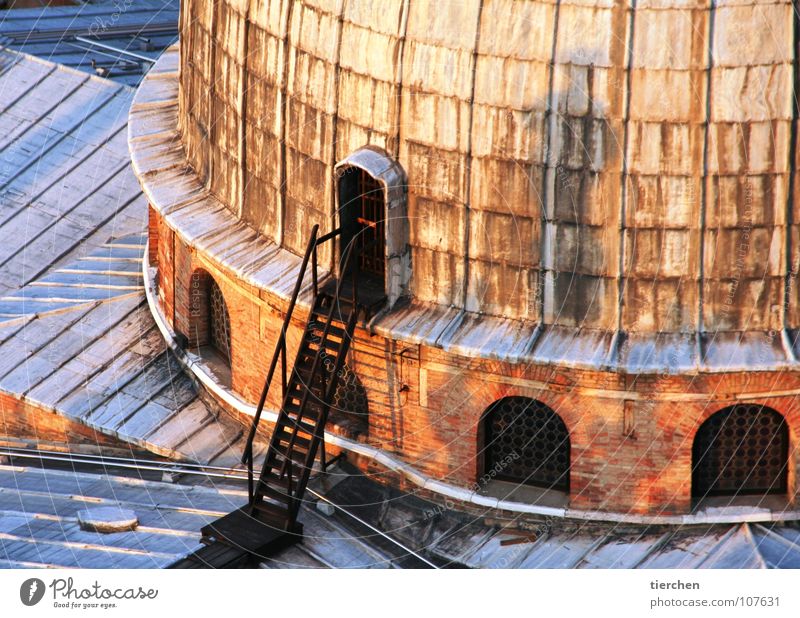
(606, 186)
(631, 437)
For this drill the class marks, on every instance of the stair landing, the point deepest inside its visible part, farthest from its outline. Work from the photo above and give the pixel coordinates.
(237, 539)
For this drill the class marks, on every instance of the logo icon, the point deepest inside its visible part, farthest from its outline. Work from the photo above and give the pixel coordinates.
(31, 591)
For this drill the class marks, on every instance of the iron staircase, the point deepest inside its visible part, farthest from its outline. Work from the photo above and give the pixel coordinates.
(268, 522)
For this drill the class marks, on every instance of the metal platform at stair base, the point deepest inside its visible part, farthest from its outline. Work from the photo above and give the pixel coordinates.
(371, 296)
(214, 556)
(238, 540)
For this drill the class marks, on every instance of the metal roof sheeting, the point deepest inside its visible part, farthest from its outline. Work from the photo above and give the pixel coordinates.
(116, 40)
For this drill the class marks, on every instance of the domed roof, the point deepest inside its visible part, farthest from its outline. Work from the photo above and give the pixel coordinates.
(582, 163)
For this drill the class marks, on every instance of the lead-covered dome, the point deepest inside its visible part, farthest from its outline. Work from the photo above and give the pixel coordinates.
(582, 163)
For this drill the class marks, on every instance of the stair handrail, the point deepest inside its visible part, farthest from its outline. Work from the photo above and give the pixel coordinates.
(328, 392)
(280, 346)
(279, 353)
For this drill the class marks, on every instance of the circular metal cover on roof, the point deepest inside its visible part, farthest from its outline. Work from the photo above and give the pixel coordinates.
(107, 519)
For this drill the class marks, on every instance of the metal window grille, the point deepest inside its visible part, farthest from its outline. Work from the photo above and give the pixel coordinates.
(741, 450)
(527, 442)
(220, 323)
(350, 396)
(373, 226)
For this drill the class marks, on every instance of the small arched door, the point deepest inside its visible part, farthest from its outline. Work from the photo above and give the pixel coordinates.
(371, 210)
(743, 450)
(526, 442)
(362, 213)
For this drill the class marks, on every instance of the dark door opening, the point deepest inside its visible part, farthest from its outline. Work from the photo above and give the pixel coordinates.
(741, 450)
(362, 215)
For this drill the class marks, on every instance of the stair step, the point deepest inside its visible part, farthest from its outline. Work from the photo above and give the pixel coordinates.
(302, 375)
(298, 446)
(284, 434)
(300, 443)
(306, 355)
(270, 513)
(275, 493)
(333, 331)
(307, 352)
(298, 390)
(295, 455)
(302, 427)
(329, 344)
(302, 372)
(272, 479)
(296, 398)
(312, 411)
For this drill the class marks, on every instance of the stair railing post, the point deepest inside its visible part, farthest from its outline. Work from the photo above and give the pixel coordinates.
(327, 389)
(314, 271)
(279, 353)
(322, 457)
(283, 367)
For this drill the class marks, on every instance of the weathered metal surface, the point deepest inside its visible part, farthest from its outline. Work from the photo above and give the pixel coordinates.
(457, 538)
(592, 166)
(116, 38)
(66, 184)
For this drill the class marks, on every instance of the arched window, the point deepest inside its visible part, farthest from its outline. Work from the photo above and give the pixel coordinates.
(209, 322)
(350, 400)
(525, 441)
(219, 323)
(742, 449)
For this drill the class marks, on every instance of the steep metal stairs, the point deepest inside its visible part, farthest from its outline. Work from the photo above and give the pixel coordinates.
(268, 522)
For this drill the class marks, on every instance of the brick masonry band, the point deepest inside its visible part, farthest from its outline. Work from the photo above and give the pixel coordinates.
(194, 364)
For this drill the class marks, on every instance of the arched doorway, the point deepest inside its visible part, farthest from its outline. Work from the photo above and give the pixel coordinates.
(362, 215)
(525, 441)
(741, 450)
(372, 212)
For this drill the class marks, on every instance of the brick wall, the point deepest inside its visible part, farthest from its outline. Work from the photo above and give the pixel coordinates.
(166, 282)
(152, 236)
(631, 436)
(24, 420)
